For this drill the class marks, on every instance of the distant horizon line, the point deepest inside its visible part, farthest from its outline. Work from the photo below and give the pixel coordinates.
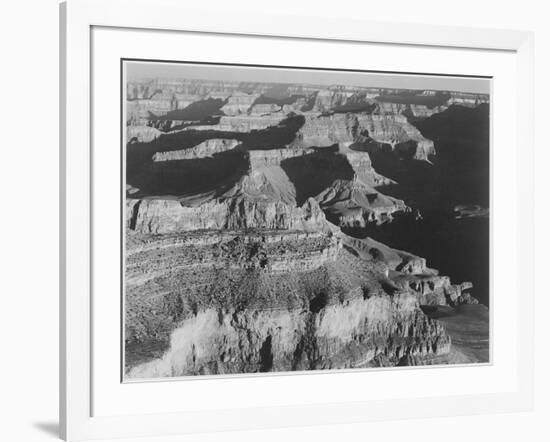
(313, 86)
(154, 70)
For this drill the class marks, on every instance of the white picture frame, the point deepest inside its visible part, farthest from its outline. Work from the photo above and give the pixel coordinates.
(78, 420)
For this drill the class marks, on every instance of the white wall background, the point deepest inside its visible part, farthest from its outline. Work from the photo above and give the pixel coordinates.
(29, 221)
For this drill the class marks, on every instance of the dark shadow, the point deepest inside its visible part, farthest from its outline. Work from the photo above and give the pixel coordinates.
(388, 288)
(311, 174)
(363, 107)
(318, 303)
(457, 248)
(181, 178)
(266, 356)
(458, 175)
(213, 174)
(274, 137)
(139, 155)
(461, 137)
(196, 111)
(406, 150)
(274, 98)
(49, 428)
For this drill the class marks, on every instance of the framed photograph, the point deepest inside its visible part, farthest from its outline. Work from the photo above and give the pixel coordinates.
(302, 221)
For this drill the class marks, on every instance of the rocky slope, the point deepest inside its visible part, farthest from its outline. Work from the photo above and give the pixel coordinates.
(276, 301)
(356, 202)
(235, 257)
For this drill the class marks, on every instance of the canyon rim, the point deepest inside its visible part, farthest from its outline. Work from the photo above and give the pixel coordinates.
(281, 220)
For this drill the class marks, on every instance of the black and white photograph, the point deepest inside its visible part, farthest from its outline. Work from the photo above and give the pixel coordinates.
(275, 221)
(280, 219)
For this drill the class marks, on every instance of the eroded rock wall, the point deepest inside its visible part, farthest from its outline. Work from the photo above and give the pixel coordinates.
(205, 149)
(348, 335)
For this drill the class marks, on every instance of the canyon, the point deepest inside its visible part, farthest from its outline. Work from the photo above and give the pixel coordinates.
(270, 227)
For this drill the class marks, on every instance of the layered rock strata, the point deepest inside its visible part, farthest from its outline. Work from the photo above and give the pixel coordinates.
(326, 130)
(351, 203)
(356, 202)
(243, 124)
(262, 198)
(141, 134)
(239, 103)
(394, 130)
(249, 304)
(205, 149)
(243, 278)
(167, 216)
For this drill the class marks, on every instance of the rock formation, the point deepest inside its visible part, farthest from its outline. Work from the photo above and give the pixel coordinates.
(351, 203)
(243, 124)
(142, 134)
(205, 149)
(394, 130)
(347, 128)
(356, 202)
(262, 198)
(266, 109)
(251, 302)
(239, 103)
(255, 273)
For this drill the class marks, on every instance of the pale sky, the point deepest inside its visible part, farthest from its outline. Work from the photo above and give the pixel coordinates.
(149, 70)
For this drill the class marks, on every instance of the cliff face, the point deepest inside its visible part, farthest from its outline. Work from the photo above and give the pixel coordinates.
(347, 128)
(394, 130)
(243, 124)
(361, 164)
(348, 336)
(326, 130)
(167, 216)
(239, 103)
(354, 204)
(329, 99)
(202, 150)
(263, 198)
(142, 134)
(266, 109)
(270, 314)
(251, 272)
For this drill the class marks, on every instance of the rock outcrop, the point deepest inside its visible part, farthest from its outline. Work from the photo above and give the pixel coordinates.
(252, 271)
(272, 316)
(356, 202)
(347, 128)
(262, 198)
(351, 203)
(205, 149)
(239, 209)
(243, 124)
(274, 157)
(361, 164)
(348, 336)
(395, 130)
(141, 134)
(239, 103)
(326, 130)
(266, 109)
